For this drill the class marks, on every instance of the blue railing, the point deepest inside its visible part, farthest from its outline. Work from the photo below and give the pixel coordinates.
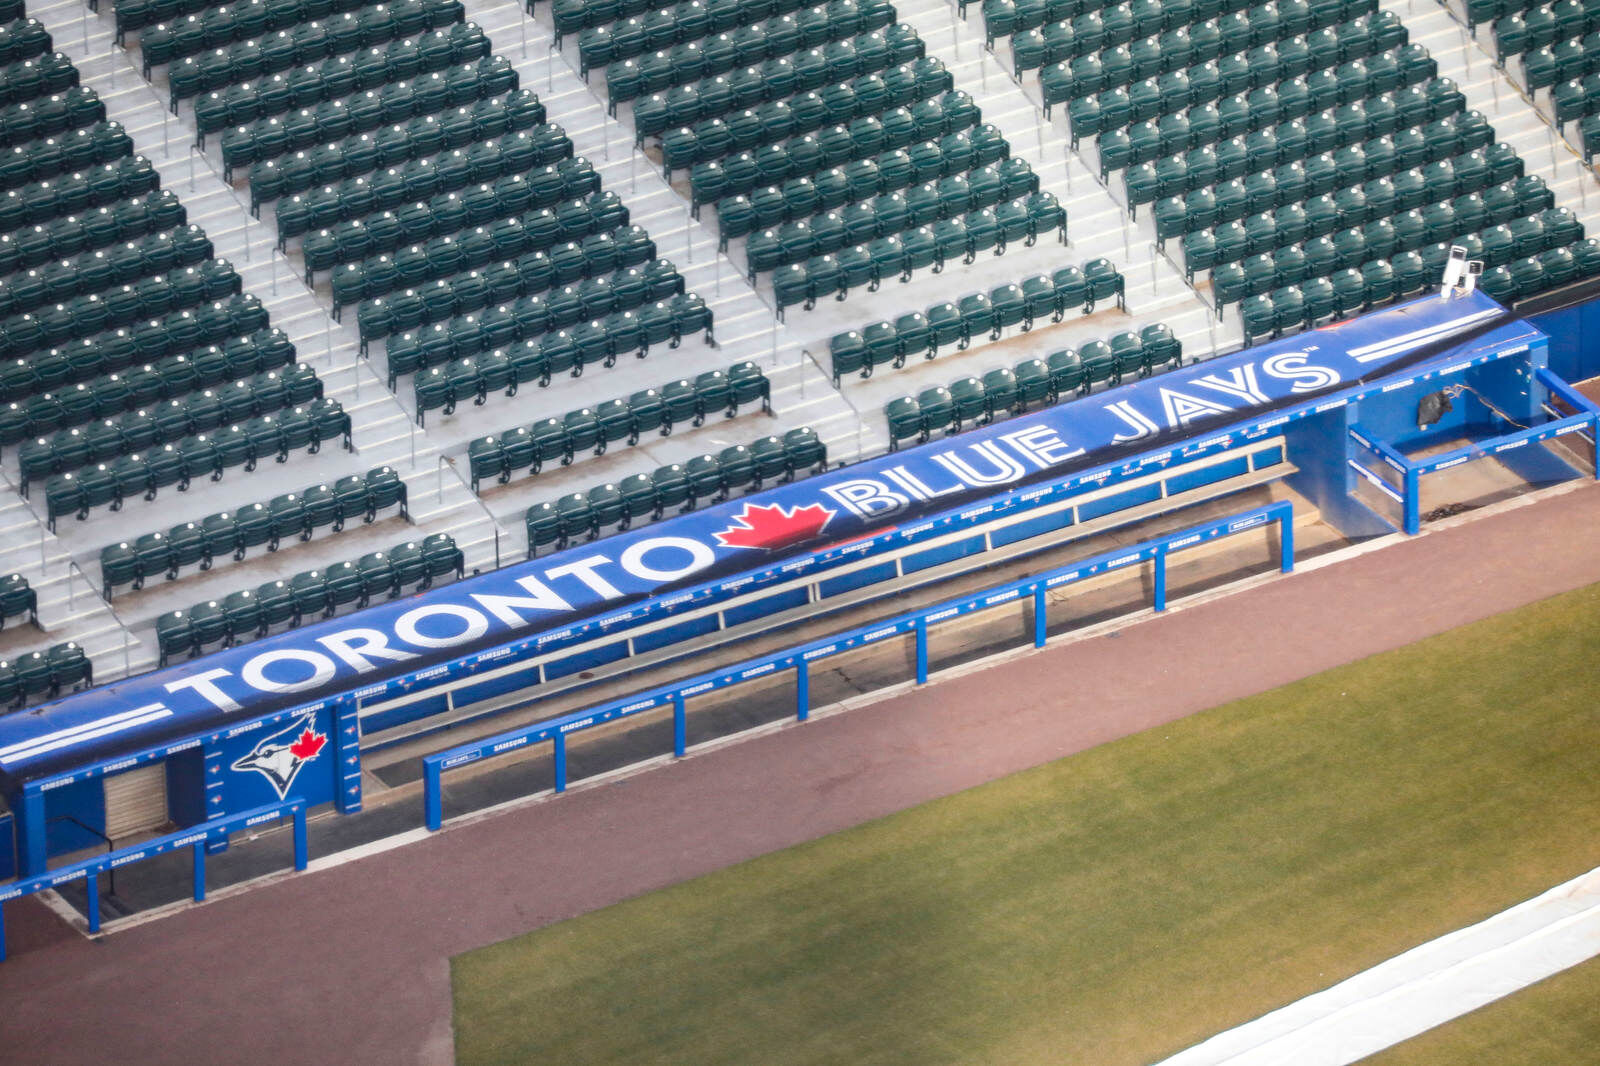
(798, 658)
(1585, 422)
(195, 838)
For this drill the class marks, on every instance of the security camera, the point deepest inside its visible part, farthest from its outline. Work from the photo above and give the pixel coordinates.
(1455, 270)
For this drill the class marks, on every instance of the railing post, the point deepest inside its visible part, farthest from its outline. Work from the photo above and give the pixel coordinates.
(91, 884)
(1286, 541)
(560, 742)
(1040, 619)
(432, 800)
(300, 856)
(922, 651)
(680, 726)
(1160, 561)
(199, 849)
(1413, 502)
(802, 690)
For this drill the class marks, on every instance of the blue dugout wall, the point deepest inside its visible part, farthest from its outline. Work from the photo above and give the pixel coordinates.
(284, 717)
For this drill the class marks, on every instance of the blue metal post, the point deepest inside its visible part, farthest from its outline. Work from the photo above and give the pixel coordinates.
(199, 871)
(1286, 541)
(802, 691)
(1161, 579)
(35, 857)
(560, 742)
(91, 885)
(432, 800)
(1413, 502)
(1040, 619)
(300, 838)
(680, 726)
(922, 652)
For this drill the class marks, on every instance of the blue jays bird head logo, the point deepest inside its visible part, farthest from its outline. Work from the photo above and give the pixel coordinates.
(279, 757)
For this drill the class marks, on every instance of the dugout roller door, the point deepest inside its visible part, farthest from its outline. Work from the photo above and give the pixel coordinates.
(136, 801)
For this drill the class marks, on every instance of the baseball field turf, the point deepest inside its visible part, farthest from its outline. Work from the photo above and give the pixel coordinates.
(1111, 907)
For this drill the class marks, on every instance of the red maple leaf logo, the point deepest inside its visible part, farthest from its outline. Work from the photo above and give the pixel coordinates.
(770, 526)
(308, 745)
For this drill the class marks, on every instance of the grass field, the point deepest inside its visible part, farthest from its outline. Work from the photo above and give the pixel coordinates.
(1112, 907)
(1554, 1021)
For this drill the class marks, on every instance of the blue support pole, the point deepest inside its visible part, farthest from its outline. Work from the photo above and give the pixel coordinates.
(922, 652)
(1286, 542)
(1413, 502)
(91, 885)
(560, 743)
(300, 838)
(1161, 579)
(35, 856)
(432, 800)
(1040, 619)
(199, 871)
(802, 691)
(680, 726)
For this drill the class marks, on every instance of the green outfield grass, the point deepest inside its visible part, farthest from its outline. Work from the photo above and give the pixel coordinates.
(1112, 907)
(1556, 1021)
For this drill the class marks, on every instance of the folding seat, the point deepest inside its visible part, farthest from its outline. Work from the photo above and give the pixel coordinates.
(970, 403)
(485, 459)
(904, 416)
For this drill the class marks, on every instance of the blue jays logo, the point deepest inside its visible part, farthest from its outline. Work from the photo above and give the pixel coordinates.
(279, 757)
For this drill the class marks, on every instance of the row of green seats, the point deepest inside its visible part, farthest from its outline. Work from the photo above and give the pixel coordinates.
(527, 449)
(50, 157)
(308, 596)
(599, 227)
(44, 675)
(1431, 238)
(24, 79)
(333, 78)
(40, 202)
(884, 216)
(512, 318)
(655, 72)
(159, 294)
(291, 516)
(104, 226)
(808, 112)
(599, 342)
(722, 26)
(206, 411)
(510, 153)
(1052, 296)
(992, 229)
(954, 153)
(51, 115)
(1032, 383)
(814, 154)
(1542, 26)
(788, 78)
(1297, 171)
(406, 311)
(1324, 215)
(583, 516)
(213, 27)
(57, 372)
(202, 456)
(334, 141)
(308, 42)
(560, 188)
(102, 269)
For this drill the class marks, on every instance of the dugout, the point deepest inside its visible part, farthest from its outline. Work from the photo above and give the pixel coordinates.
(288, 716)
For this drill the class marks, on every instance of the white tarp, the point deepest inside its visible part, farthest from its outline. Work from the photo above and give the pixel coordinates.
(1425, 987)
